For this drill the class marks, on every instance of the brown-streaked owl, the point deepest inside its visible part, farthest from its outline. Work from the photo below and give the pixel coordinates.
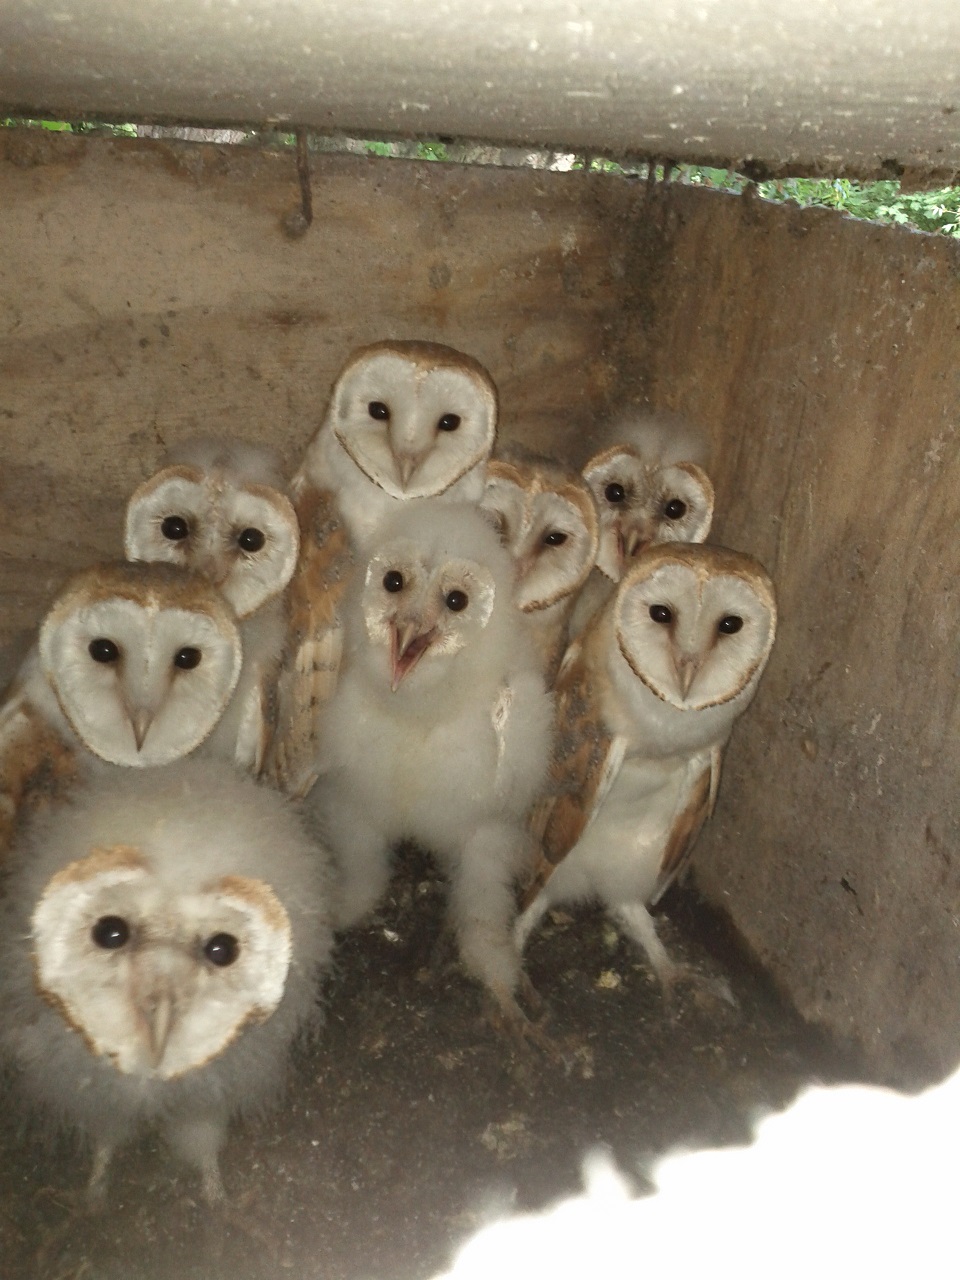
(548, 522)
(406, 420)
(650, 486)
(646, 701)
(218, 507)
(135, 663)
(163, 932)
(439, 731)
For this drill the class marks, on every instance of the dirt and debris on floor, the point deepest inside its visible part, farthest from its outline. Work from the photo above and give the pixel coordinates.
(410, 1123)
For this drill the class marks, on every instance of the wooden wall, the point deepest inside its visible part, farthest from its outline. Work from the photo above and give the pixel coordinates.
(148, 292)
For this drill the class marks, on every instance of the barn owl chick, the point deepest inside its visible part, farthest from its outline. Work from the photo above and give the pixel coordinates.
(134, 663)
(406, 420)
(646, 701)
(162, 936)
(217, 507)
(649, 487)
(439, 730)
(548, 522)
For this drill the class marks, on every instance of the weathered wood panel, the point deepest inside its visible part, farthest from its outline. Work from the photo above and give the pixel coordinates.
(147, 292)
(826, 355)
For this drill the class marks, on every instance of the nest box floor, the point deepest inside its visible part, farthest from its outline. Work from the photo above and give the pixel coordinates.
(410, 1122)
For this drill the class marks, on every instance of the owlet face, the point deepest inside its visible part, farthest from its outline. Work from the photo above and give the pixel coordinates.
(696, 624)
(642, 504)
(241, 535)
(143, 660)
(548, 523)
(158, 978)
(414, 417)
(427, 594)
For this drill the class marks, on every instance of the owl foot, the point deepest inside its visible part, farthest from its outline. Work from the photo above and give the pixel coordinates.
(527, 1037)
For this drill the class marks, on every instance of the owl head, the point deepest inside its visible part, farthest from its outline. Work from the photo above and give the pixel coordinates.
(436, 594)
(642, 502)
(414, 417)
(695, 623)
(548, 522)
(163, 933)
(217, 508)
(143, 659)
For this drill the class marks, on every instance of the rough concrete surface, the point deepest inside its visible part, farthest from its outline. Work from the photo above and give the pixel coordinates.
(148, 292)
(856, 86)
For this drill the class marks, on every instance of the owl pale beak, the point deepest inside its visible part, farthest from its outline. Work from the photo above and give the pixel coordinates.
(408, 645)
(687, 666)
(636, 540)
(407, 463)
(141, 720)
(155, 1002)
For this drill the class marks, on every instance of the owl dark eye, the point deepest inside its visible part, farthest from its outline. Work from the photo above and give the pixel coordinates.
(103, 650)
(675, 509)
(392, 580)
(175, 528)
(449, 422)
(221, 949)
(660, 613)
(110, 932)
(377, 409)
(730, 625)
(555, 538)
(251, 539)
(614, 493)
(456, 601)
(187, 658)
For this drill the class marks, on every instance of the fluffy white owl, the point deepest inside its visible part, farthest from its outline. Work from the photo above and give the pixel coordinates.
(548, 522)
(646, 701)
(217, 507)
(406, 420)
(135, 663)
(649, 486)
(162, 936)
(439, 731)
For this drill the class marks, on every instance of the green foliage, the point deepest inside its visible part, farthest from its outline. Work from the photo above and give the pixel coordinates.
(65, 126)
(877, 201)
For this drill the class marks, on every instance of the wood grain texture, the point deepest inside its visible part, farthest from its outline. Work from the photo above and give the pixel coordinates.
(148, 293)
(825, 356)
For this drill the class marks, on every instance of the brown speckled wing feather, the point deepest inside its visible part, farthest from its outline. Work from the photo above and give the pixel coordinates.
(687, 826)
(586, 759)
(311, 664)
(34, 763)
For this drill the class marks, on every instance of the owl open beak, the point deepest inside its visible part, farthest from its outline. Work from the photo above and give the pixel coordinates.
(408, 645)
(636, 540)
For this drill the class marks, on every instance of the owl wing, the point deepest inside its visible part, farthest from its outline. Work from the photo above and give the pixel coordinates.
(697, 807)
(586, 761)
(253, 730)
(311, 664)
(33, 759)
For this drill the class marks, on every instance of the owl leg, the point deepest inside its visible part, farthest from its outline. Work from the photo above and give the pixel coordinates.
(361, 857)
(637, 923)
(528, 920)
(482, 907)
(197, 1140)
(97, 1184)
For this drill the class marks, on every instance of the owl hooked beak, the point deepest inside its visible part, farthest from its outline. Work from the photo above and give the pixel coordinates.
(686, 665)
(407, 464)
(635, 540)
(156, 988)
(408, 644)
